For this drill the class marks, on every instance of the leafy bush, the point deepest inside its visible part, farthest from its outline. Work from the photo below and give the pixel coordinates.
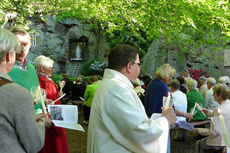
(93, 67)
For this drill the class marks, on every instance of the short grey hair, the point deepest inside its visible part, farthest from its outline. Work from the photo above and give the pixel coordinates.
(224, 79)
(203, 79)
(8, 43)
(192, 84)
(211, 81)
(43, 61)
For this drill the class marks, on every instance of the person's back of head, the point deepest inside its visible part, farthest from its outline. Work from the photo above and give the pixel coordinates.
(8, 44)
(78, 79)
(221, 90)
(211, 81)
(224, 79)
(93, 79)
(43, 61)
(181, 79)
(98, 77)
(192, 84)
(165, 71)
(175, 84)
(203, 80)
(20, 31)
(121, 55)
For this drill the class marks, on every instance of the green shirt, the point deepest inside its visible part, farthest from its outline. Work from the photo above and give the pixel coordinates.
(194, 96)
(89, 93)
(26, 79)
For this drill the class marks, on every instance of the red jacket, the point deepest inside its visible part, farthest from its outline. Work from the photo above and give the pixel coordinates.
(55, 138)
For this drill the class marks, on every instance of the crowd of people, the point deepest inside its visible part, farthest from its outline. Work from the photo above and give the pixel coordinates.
(124, 111)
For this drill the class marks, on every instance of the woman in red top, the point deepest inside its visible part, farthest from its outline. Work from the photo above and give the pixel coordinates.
(55, 138)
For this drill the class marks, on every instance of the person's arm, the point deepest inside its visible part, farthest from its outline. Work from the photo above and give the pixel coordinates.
(30, 133)
(186, 115)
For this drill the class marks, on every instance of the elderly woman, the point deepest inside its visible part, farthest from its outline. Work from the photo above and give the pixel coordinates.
(193, 97)
(225, 80)
(210, 102)
(215, 140)
(55, 139)
(158, 88)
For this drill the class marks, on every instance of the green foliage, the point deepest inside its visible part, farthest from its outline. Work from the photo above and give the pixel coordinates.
(93, 67)
(185, 23)
(56, 77)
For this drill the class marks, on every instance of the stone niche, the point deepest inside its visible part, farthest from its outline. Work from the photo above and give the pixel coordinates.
(78, 48)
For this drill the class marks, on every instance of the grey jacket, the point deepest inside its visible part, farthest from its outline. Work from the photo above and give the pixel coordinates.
(19, 132)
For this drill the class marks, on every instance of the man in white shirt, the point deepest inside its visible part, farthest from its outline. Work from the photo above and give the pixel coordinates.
(210, 102)
(180, 104)
(118, 121)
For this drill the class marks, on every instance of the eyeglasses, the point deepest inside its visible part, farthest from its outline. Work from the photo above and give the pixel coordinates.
(139, 64)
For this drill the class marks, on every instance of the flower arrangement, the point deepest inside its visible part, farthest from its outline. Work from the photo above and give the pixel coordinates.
(196, 74)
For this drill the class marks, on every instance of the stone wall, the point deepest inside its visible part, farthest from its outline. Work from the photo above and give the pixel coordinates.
(51, 38)
(206, 58)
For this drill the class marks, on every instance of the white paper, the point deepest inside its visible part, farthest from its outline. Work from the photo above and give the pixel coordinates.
(57, 99)
(65, 116)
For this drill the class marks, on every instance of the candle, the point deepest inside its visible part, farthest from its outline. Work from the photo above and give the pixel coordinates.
(223, 127)
(42, 101)
(200, 109)
(168, 101)
(194, 108)
(61, 84)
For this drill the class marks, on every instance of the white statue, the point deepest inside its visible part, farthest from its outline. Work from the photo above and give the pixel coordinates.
(78, 52)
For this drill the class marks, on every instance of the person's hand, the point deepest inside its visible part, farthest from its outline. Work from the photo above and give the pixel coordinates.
(195, 131)
(48, 122)
(169, 114)
(44, 117)
(48, 101)
(188, 115)
(205, 110)
(39, 117)
(60, 93)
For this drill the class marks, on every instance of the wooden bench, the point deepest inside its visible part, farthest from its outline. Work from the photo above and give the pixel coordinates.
(200, 123)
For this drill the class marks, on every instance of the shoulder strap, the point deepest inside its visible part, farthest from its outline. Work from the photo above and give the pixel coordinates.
(4, 81)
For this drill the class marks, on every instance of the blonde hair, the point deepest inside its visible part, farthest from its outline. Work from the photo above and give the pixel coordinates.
(221, 90)
(43, 61)
(165, 71)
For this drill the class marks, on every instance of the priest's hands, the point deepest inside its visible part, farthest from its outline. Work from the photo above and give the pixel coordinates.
(169, 114)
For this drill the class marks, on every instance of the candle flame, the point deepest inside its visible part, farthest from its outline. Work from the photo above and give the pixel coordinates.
(218, 111)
